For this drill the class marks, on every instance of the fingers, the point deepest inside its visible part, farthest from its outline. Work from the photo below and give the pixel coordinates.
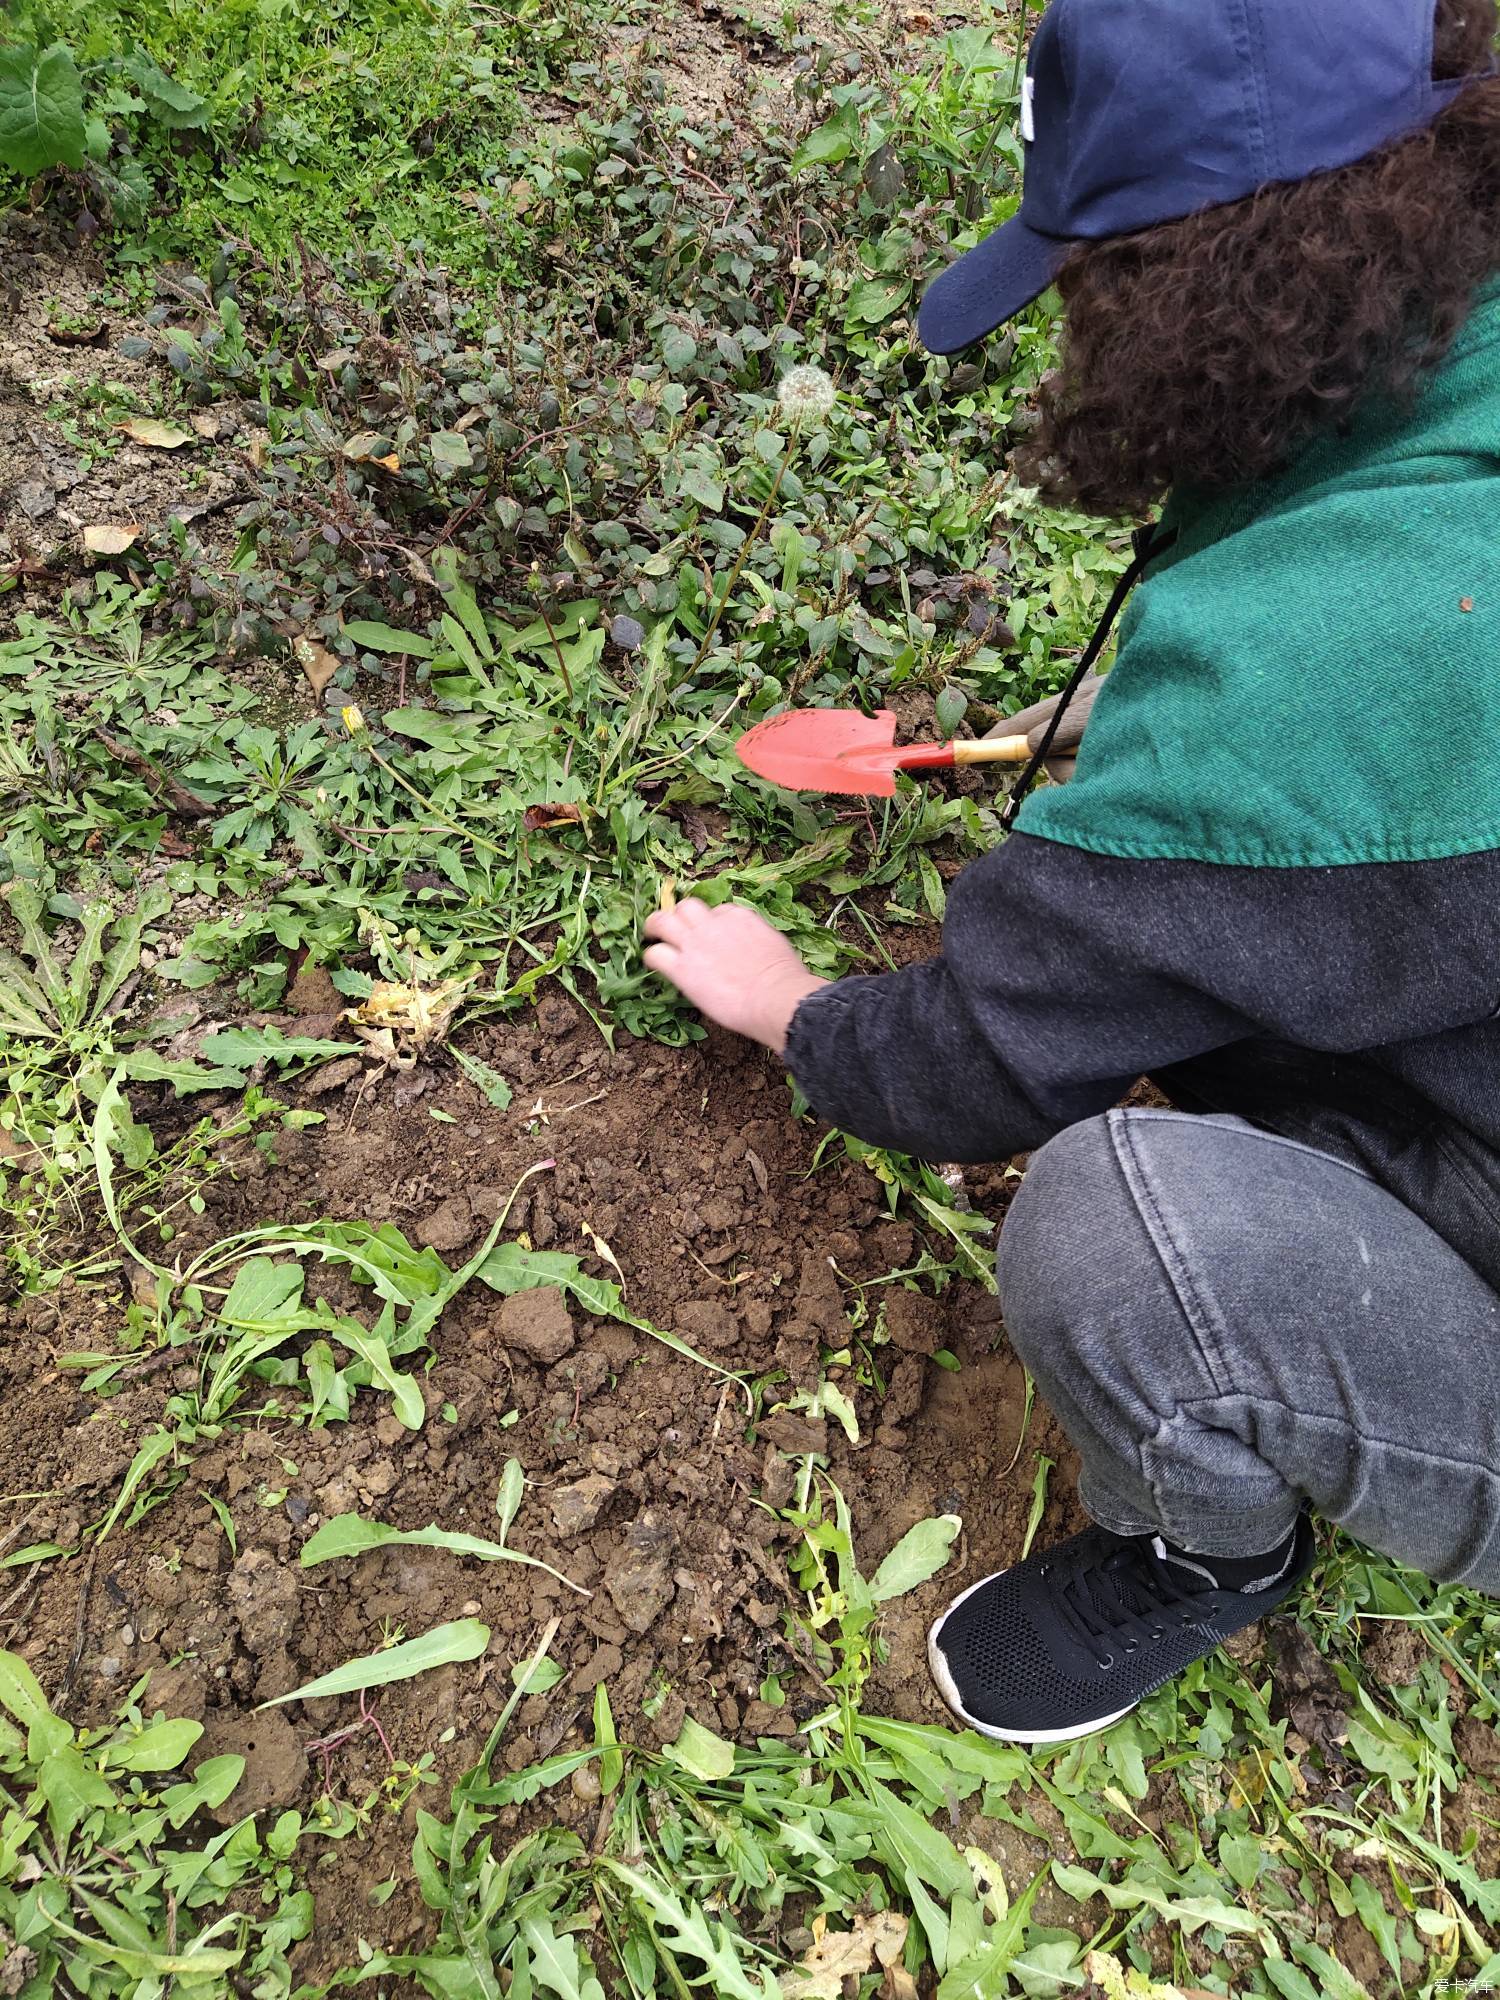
(660, 958)
(676, 925)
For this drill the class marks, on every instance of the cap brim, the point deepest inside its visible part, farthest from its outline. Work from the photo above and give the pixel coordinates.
(988, 286)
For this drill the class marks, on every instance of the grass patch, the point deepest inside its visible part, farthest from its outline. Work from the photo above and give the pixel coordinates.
(364, 123)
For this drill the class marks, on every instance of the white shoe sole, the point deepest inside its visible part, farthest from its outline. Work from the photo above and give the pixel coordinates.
(948, 1689)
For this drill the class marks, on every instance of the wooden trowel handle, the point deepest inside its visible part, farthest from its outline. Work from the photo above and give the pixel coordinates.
(992, 750)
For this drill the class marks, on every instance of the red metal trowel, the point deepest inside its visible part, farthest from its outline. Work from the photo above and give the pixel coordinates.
(840, 750)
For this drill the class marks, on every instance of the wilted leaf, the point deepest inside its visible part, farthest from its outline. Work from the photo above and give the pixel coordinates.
(626, 633)
(884, 175)
(538, 819)
(316, 661)
(154, 431)
(409, 1013)
(920, 1553)
(698, 1750)
(841, 1955)
(102, 540)
(605, 1255)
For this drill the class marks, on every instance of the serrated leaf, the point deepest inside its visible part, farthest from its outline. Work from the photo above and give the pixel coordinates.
(41, 110)
(459, 1640)
(241, 1047)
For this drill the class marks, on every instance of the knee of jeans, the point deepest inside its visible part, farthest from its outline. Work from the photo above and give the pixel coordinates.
(1062, 1205)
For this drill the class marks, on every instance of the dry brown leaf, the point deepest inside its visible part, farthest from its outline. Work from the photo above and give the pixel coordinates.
(13, 1147)
(153, 431)
(81, 335)
(841, 1955)
(316, 661)
(101, 539)
(538, 819)
(391, 462)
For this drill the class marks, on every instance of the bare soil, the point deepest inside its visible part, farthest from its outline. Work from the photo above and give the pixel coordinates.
(645, 1476)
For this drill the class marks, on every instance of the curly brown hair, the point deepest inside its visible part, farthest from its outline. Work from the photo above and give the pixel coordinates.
(1204, 352)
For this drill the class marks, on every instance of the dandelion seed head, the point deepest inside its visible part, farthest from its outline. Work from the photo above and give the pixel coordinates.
(806, 394)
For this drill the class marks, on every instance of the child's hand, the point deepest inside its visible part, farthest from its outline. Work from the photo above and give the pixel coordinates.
(733, 967)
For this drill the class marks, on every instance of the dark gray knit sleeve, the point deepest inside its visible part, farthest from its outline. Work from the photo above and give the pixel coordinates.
(1065, 976)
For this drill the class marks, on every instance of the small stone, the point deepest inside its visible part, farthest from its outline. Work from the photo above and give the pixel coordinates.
(109, 1668)
(576, 1508)
(470, 1609)
(449, 1226)
(35, 499)
(1478, 1746)
(127, 1635)
(313, 992)
(297, 1509)
(377, 1479)
(796, 1435)
(275, 1763)
(537, 1324)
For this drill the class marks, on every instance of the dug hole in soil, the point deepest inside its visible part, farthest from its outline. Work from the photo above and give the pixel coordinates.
(644, 1484)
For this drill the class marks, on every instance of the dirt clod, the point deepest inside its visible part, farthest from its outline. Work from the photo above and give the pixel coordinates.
(576, 1508)
(538, 1325)
(449, 1226)
(275, 1762)
(641, 1585)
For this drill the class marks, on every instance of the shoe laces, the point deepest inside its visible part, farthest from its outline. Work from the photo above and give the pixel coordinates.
(1126, 1597)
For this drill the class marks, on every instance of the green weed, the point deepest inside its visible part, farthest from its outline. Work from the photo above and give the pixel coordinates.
(108, 1886)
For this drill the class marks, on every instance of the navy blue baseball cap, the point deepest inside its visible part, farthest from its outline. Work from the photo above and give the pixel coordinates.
(1137, 112)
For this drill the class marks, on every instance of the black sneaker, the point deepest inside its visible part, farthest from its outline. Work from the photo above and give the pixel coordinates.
(1068, 1642)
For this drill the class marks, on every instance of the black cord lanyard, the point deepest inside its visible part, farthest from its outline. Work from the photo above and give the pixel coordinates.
(1148, 543)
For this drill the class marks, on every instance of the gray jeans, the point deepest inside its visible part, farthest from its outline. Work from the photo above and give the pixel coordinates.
(1228, 1324)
